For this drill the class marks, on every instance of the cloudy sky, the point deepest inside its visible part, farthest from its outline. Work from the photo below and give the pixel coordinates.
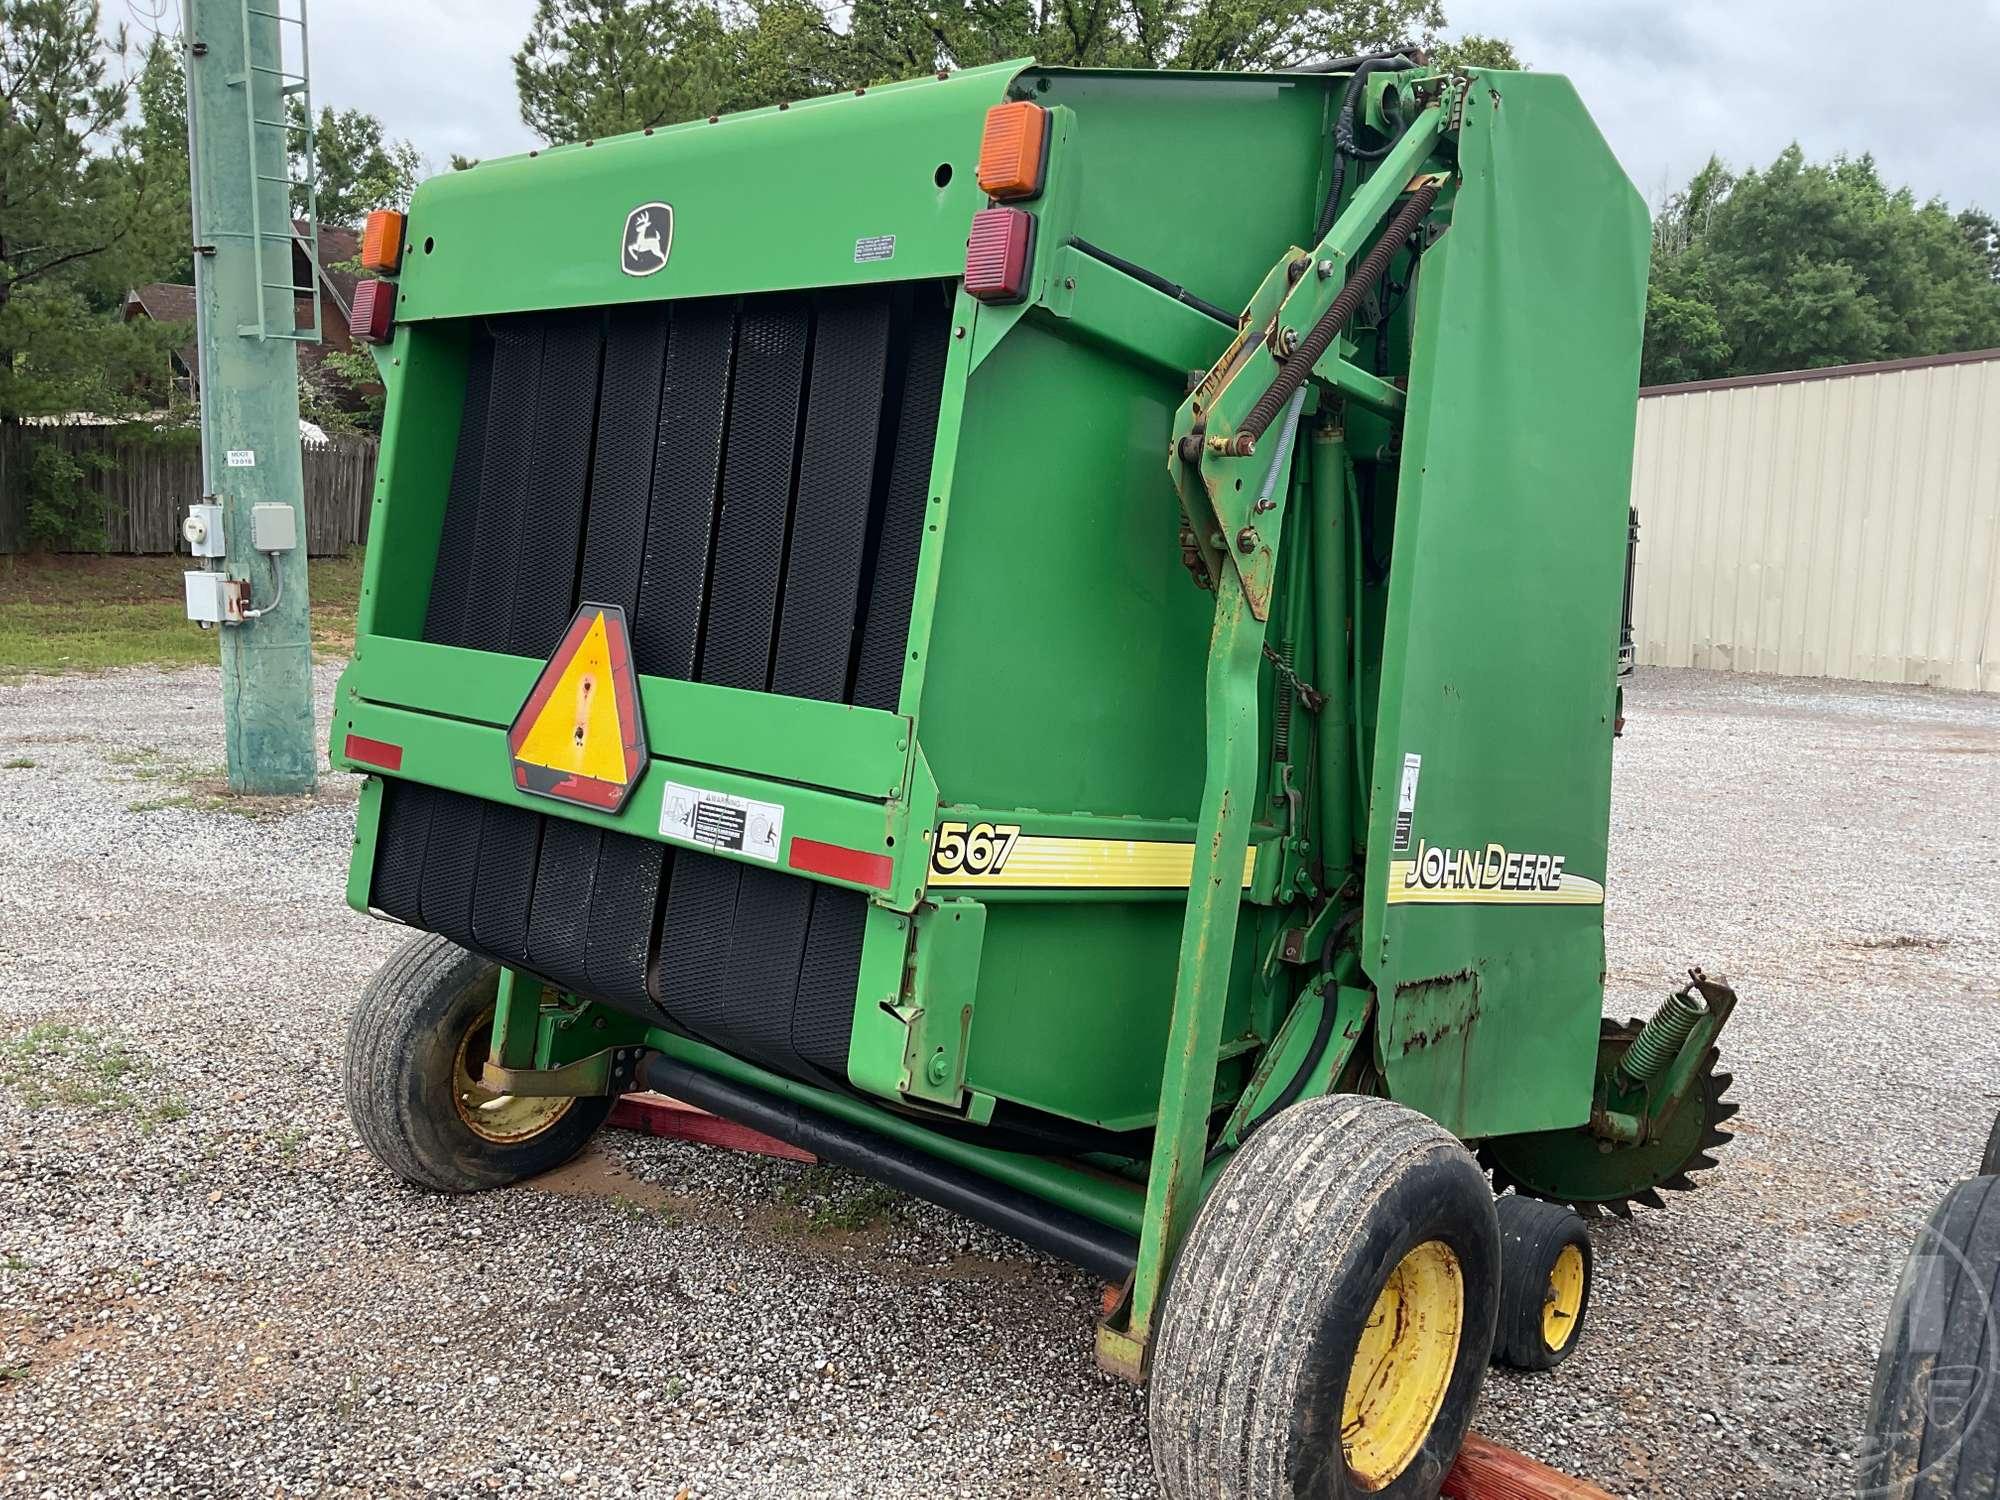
(1669, 80)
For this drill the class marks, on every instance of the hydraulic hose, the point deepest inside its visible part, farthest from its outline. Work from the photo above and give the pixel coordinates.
(1298, 364)
(1344, 145)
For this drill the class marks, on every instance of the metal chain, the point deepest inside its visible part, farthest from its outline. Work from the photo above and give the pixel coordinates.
(1311, 699)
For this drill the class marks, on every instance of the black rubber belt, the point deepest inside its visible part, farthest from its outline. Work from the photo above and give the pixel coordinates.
(687, 465)
(836, 482)
(885, 630)
(548, 502)
(451, 579)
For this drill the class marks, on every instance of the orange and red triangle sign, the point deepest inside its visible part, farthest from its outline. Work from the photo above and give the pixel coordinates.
(579, 737)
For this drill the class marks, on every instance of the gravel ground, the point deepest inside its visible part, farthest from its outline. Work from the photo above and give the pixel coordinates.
(208, 1288)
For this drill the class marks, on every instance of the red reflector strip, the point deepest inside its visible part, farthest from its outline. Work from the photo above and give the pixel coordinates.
(997, 254)
(375, 752)
(842, 863)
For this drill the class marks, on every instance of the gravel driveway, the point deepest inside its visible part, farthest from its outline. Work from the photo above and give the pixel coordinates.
(208, 1288)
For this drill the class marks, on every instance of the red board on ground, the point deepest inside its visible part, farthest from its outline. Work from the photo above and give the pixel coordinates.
(655, 1114)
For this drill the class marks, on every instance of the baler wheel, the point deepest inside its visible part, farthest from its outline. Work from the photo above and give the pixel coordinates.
(1545, 1269)
(1989, 1160)
(414, 1047)
(1934, 1419)
(1327, 1325)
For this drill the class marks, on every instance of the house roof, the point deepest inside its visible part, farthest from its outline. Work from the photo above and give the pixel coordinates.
(337, 247)
(162, 301)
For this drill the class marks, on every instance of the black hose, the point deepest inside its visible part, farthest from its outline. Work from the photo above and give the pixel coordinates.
(1322, 1034)
(1348, 64)
(1156, 281)
(1344, 145)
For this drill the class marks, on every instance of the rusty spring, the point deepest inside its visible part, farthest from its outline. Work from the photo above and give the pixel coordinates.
(1297, 365)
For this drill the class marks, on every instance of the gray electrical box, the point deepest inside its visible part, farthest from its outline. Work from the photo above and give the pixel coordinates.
(209, 598)
(273, 528)
(203, 530)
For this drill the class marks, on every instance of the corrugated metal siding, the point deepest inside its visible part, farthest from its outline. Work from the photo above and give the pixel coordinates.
(1833, 527)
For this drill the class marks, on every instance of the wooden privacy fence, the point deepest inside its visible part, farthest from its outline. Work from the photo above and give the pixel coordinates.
(151, 483)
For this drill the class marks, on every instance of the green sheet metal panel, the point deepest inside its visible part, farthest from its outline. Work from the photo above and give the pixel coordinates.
(1170, 158)
(1501, 629)
(844, 189)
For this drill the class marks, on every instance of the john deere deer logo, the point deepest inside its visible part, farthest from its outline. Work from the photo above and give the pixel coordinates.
(649, 238)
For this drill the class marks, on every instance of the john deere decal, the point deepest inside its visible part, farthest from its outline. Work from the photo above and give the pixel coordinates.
(1492, 876)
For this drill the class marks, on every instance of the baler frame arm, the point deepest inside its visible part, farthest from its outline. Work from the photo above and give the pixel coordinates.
(1233, 496)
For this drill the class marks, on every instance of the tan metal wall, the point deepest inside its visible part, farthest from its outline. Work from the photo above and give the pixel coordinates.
(1841, 526)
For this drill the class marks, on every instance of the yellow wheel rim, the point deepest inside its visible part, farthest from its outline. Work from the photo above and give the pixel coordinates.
(1563, 1302)
(504, 1119)
(1402, 1365)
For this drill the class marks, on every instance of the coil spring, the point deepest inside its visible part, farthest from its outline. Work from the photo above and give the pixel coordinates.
(1660, 1039)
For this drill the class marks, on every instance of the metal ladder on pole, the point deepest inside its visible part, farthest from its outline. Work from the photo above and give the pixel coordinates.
(290, 86)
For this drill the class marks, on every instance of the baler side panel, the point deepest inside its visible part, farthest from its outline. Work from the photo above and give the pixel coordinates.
(1501, 631)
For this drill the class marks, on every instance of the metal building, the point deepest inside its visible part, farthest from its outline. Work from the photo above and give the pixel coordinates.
(1842, 522)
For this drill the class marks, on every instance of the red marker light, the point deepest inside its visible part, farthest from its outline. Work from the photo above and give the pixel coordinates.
(374, 312)
(998, 253)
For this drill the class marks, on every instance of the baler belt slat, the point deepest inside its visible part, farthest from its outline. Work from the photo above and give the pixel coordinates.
(690, 978)
(624, 907)
(823, 1014)
(687, 463)
(621, 476)
(565, 883)
(549, 499)
(451, 864)
(510, 840)
(444, 615)
(517, 374)
(767, 945)
(757, 471)
(831, 514)
(885, 631)
(404, 829)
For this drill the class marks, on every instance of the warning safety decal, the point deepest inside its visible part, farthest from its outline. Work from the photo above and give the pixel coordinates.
(1491, 876)
(579, 737)
(716, 820)
(999, 854)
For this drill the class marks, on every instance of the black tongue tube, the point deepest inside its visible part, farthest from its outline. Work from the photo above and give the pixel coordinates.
(1095, 1247)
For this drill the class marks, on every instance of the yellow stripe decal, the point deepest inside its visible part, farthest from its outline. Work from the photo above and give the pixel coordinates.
(997, 856)
(1405, 890)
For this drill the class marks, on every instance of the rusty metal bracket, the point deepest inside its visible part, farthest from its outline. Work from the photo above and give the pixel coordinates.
(612, 1071)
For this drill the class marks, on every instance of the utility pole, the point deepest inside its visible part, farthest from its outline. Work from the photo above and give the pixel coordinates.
(239, 136)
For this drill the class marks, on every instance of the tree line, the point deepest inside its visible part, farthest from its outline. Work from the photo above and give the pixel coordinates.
(1798, 264)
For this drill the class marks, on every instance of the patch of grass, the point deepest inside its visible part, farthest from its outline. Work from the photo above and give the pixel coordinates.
(288, 1141)
(21, 763)
(54, 1062)
(13, 1372)
(12, 1263)
(90, 614)
(830, 1199)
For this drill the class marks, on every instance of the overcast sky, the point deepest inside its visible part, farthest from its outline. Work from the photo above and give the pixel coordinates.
(1669, 81)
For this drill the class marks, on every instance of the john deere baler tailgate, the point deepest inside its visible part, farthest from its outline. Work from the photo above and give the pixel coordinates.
(695, 466)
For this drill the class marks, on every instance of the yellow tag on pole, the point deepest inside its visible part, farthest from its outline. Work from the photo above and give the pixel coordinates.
(579, 737)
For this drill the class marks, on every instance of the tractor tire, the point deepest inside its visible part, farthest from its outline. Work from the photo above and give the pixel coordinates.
(1934, 1421)
(1989, 1160)
(1545, 1270)
(414, 1046)
(1328, 1321)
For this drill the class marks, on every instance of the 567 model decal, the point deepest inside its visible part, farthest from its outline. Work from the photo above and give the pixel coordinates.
(1491, 876)
(999, 854)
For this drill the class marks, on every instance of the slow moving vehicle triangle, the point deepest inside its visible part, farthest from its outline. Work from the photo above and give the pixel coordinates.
(579, 737)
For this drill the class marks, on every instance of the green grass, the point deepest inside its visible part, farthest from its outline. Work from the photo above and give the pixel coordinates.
(54, 1062)
(827, 1198)
(90, 614)
(20, 763)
